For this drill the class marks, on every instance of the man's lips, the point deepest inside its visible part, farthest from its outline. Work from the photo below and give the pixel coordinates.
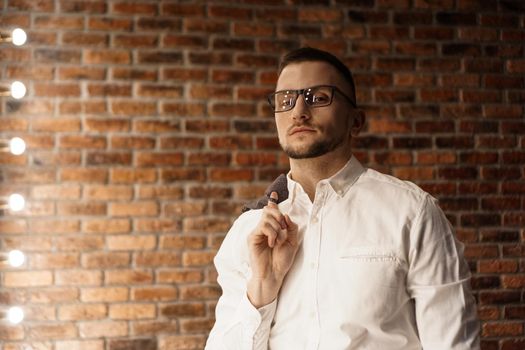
(301, 129)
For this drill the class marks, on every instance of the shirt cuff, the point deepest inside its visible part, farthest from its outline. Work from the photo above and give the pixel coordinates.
(255, 321)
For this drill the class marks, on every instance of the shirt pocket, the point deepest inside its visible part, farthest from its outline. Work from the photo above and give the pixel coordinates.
(375, 266)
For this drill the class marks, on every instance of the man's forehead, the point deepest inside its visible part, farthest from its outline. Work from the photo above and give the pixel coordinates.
(309, 73)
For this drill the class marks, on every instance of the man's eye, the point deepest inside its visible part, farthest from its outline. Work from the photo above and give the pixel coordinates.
(286, 102)
(319, 98)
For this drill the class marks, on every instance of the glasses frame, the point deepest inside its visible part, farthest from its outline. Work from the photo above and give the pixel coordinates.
(302, 91)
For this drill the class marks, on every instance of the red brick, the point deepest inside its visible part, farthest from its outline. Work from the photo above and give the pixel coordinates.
(211, 26)
(92, 260)
(80, 345)
(124, 73)
(181, 142)
(182, 242)
(207, 126)
(109, 90)
(82, 312)
(54, 260)
(79, 244)
(41, 72)
(110, 24)
(179, 276)
(232, 142)
(83, 175)
(83, 6)
(126, 8)
(157, 258)
(145, 159)
(59, 22)
(56, 90)
(185, 41)
(192, 259)
(103, 329)
(182, 342)
(107, 57)
(76, 73)
(54, 294)
(133, 142)
(167, 91)
(27, 278)
(157, 225)
(131, 311)
(154, 327)
(104, 294)
(106, 226)
(185, 10)
(156, 126)
(513, 281)
(156, 57)
(501, 329)
(53, 331)
(183, 310)
(13, 226)
(204, 224)
(126, 277)
(160, 192)
(132, 176)
(85, 39)
(129, 242)
(157, 293)
(498, 266)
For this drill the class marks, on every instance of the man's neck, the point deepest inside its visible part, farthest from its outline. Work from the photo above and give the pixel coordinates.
(308, 172)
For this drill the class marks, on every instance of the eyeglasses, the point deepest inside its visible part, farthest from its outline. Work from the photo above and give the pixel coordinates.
(315, 96)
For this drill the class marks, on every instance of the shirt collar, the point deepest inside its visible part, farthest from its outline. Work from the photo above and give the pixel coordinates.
(340, 181)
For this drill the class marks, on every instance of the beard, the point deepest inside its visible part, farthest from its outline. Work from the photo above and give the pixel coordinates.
(316, 149)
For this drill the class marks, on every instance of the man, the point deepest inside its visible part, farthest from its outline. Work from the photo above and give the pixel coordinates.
(351, 259)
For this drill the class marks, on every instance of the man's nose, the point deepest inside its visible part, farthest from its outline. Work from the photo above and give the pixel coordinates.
(301, 109)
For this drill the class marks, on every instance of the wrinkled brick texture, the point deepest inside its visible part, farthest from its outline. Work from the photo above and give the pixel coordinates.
(147, 129)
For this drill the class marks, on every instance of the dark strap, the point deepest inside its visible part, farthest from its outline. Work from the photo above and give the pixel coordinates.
(279, 185)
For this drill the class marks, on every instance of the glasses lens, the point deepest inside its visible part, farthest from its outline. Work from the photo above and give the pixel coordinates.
(283, 100)
(318, 96)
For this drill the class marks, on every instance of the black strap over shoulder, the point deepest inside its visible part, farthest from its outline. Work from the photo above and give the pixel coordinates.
(279, 185)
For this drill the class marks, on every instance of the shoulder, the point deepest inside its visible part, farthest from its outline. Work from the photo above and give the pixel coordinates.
(390, 195)
(390, 182)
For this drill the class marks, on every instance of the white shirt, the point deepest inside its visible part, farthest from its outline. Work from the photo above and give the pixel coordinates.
(378, 268)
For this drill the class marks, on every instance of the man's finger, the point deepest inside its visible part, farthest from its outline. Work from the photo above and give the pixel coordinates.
(274, 197)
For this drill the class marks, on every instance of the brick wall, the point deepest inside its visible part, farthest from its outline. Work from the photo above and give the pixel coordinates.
(147, 129)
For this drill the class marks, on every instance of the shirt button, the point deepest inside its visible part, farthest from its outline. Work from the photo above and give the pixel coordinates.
(312, 314)
(314, 220)
(313, 265)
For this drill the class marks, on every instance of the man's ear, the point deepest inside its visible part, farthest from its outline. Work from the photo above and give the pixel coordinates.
(358, 122)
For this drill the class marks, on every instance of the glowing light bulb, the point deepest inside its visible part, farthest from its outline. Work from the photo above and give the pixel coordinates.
(18, 89)
(17, 146)
(19, 37)
(16, 258)
(16, 202)
(15, 315)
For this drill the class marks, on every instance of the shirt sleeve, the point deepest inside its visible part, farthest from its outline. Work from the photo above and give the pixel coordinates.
(439, 282)
(238, 324)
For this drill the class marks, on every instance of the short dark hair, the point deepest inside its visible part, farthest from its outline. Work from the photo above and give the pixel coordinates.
(308, 54)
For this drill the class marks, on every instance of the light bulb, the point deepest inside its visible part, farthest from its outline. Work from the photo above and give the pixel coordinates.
(16, 202)
(15, 315)
(16, 258)
(18, 89)
(17, 146)
(18, 36)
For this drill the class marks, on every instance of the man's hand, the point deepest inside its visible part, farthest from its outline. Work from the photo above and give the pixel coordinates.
(273, 245)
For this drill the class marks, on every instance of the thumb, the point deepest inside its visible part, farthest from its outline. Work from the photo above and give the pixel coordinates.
(273, 199)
